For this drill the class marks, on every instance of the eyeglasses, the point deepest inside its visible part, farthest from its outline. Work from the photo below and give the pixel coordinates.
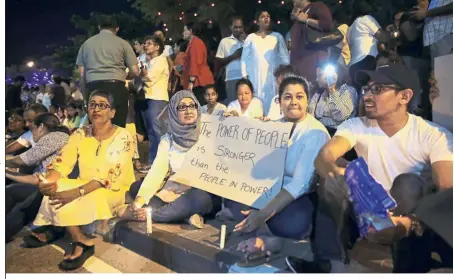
(376, 89)
(185, 107)
(101, 106)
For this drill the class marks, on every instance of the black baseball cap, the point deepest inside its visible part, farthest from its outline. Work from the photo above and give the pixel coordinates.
(396, 73)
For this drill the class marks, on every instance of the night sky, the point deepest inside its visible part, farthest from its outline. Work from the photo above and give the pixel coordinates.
(31, 25)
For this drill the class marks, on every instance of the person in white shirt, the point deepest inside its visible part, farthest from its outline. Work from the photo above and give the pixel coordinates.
(26, 140)
(168, 50)
(263, 52)
(156, 78)
(363, 36)
(282, 72)
(75, 92)
(40, 95)
(48, 96)
(213, 107)
(171, 201)
(229, 55)
(409, 156)
(289, 214)
(246, 104)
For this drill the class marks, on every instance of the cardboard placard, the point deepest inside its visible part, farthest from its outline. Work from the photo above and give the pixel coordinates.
(237, 158)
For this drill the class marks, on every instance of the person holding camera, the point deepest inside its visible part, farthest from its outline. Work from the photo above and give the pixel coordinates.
(333, 101)
(407, 35)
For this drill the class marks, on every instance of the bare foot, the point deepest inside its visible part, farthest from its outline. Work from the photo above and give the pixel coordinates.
(272, 244)
(225, 215)
(130, 214)
(197, 221)
(40, 236)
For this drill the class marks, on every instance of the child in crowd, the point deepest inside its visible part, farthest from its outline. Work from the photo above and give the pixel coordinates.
(212, 107)
(73, 118)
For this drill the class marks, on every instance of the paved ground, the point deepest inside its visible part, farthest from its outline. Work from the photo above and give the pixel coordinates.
(108, 259)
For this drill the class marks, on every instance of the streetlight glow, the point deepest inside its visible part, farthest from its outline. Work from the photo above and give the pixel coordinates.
(30, 64)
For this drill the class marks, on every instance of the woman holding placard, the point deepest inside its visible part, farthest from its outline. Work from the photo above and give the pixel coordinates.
(246, 105)
(171, 201)
(289, 214)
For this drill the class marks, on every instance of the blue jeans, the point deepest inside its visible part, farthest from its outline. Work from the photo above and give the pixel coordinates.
(294, 221)
(156, 129)
(193, 201)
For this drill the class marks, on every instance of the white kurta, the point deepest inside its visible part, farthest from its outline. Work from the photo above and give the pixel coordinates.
(261, 56)
(254, 110)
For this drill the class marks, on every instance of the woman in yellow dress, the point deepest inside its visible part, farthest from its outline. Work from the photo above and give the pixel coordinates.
(104, 153)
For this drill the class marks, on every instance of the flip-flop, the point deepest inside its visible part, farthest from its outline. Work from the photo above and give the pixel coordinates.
(258, 258)
(73, 264)
(52, 235)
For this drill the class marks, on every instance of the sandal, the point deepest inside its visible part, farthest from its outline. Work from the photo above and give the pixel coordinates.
(73, 264)
(144, 169)
(137, 165)
(52, 235)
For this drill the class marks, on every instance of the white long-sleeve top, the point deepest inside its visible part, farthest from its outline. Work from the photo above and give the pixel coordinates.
(170, 157)
(255, 108)
(259, 60)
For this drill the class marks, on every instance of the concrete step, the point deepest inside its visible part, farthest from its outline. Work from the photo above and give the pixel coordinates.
(185, 250)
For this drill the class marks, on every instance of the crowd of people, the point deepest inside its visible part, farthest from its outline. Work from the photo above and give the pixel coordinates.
(351, 89)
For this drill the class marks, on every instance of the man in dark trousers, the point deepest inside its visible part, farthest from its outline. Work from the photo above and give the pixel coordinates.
(102, 62)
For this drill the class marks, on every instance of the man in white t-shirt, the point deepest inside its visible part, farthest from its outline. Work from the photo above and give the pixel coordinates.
(409, 156)
(229, 55)
(363, 36)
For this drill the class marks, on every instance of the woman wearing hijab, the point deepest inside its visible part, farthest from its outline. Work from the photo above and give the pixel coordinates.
(171, 201)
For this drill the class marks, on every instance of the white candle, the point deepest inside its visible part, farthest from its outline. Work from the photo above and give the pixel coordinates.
(149, 221)
(223, 233)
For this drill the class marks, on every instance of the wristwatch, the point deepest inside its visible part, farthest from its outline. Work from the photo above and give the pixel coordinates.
(416, 226)
(81, 191)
